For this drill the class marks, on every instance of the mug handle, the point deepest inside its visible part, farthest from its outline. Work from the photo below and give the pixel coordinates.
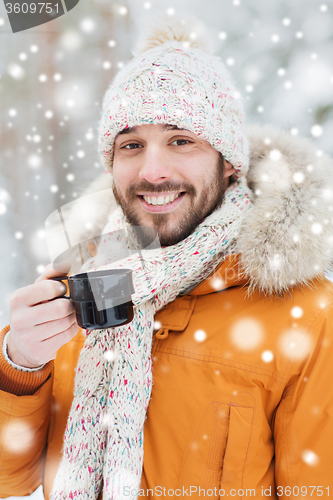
(62, 279)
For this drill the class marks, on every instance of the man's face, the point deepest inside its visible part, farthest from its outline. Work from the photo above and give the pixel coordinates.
(167, 179)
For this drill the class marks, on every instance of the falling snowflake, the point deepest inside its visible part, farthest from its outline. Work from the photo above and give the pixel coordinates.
(110, 355)
(276, 261)
(157, 325)
(247, 334)
(316, 228)
(71, 40)
(295, 344)
(216, 283)
(310, 457)
(106, 420)
(34, 161)
(327, 194)
(297, 312)
(298, 177)
(275, 155)
(87, 25)
(41, 235)
(267, 356)
(16, 71)
(17, 437)
(200, 335)
(40, 268)
(316, 131)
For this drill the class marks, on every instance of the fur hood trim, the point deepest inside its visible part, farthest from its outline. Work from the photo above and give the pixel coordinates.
(287, 237)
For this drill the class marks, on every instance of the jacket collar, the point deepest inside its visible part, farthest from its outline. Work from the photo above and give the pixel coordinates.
(229, 273)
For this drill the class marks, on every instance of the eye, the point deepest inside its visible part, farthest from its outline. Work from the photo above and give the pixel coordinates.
(132, 145)
(181, 142)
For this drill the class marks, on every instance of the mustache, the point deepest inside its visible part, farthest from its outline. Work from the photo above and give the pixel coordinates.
(161, 188)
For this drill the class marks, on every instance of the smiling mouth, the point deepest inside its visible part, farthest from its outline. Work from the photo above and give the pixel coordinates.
(161, 199)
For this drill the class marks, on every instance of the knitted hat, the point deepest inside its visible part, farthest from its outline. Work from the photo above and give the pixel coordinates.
(174, 79)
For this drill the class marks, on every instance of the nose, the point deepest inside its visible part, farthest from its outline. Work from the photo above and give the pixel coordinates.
(155, 166)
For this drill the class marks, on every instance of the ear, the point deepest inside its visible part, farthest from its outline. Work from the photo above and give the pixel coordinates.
(228, 169)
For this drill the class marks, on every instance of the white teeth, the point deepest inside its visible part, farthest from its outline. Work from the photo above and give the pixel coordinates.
(161, 200)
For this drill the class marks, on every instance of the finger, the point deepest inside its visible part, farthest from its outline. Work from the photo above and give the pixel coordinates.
(49, 311)
(55, 270)
(25, 317)
(48, 330)
(54, 343)
(38, 292)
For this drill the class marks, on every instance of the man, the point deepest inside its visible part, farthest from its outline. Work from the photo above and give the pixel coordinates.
(231, 342)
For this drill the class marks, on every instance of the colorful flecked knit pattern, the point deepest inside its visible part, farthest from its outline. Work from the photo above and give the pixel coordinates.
(103, 443)
(180, 86)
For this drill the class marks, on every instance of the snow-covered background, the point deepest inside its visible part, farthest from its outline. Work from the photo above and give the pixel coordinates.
(53, 77)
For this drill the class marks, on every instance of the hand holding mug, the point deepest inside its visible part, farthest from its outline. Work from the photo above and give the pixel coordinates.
(39, 325)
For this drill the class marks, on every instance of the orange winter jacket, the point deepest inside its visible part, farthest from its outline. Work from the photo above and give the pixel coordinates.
(241, 404)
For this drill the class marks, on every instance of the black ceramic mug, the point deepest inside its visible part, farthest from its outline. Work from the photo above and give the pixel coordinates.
(102, 299)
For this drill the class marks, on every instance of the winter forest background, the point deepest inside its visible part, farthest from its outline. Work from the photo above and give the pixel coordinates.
(53, 77)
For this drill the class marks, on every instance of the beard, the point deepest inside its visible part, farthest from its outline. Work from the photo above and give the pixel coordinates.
(175, 226)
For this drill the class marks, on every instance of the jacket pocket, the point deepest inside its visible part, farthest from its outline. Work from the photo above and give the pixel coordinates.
(217, 454)
(236, 452)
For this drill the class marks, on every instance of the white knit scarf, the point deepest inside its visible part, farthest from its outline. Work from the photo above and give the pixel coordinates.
(103, 442)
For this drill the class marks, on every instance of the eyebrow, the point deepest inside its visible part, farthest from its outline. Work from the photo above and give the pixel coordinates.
(165, 126)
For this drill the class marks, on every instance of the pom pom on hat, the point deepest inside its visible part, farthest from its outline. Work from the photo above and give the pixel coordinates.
(165, 28)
